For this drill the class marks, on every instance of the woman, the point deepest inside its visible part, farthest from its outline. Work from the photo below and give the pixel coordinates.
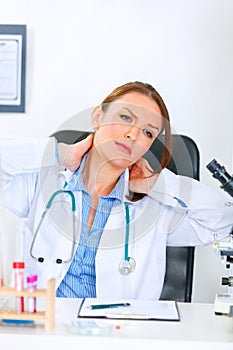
(116, 194)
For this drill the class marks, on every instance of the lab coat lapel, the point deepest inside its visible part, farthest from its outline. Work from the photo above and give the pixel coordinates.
(114, 231)
(113, 234)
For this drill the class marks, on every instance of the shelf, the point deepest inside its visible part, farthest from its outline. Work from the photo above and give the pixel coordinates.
(48, 315)
(11, 315)
(10, 291)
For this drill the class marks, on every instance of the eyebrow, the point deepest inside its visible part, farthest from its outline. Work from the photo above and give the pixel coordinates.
(136, 117)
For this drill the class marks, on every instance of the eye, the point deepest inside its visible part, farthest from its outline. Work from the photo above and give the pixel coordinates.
(148, 133)
(126, 118)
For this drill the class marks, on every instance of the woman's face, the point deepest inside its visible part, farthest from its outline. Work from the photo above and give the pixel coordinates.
(126, 130)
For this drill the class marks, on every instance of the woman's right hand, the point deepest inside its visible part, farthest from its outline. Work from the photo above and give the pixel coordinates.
(71, 155)
(142, 177)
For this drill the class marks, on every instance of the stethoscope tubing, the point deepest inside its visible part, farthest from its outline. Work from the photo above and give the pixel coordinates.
(128, 262)
(48, 206)
(127, 219)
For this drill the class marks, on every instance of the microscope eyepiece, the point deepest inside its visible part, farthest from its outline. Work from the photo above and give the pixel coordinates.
(220, 173)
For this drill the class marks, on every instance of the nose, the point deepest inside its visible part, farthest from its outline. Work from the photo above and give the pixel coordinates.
(132, 133)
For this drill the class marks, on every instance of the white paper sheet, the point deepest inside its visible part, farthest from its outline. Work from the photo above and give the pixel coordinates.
(138, 309)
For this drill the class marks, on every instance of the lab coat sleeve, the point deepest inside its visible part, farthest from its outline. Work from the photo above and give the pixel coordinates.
(196, 212)
(21, 161)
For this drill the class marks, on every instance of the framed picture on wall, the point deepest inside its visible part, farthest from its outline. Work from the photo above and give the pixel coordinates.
(12, 68)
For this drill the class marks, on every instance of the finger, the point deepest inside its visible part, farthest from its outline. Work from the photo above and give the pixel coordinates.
(86, 143)
(144, 164)
(140, 169)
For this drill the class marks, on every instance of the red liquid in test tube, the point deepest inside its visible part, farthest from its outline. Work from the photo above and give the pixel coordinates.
(19, 284)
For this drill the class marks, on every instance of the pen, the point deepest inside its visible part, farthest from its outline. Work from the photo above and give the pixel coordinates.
(108, 306)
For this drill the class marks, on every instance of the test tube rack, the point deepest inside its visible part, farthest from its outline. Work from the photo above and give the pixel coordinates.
(48, 315)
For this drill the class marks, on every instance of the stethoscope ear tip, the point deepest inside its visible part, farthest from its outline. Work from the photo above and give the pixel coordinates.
(41, 260)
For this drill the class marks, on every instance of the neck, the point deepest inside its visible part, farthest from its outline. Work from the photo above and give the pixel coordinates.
(100, 176)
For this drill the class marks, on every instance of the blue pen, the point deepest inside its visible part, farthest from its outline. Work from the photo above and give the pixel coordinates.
(108, 306)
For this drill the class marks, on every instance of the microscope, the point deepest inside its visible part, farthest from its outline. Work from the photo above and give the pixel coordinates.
(223, 304)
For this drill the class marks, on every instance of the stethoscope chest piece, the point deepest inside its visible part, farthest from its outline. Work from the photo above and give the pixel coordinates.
(126, 266)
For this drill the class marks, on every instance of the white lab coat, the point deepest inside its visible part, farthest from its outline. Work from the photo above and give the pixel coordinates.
(30, 176)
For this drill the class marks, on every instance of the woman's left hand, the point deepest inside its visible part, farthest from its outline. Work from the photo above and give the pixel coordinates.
(141, 177)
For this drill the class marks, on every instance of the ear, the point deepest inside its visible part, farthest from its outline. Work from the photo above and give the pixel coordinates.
(96, 117)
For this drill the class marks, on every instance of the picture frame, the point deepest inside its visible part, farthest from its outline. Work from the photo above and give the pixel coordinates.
(12, 68)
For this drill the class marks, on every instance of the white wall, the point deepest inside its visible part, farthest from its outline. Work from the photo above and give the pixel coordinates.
(78, 51)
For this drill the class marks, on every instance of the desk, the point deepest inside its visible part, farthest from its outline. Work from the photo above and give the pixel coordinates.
(198, 329)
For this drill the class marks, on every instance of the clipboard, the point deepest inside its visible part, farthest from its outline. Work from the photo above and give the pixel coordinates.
(131, 309)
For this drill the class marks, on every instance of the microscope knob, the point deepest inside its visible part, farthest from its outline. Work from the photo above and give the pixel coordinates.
(225, 281)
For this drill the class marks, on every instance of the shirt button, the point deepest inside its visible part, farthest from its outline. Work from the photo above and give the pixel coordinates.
(100, 260)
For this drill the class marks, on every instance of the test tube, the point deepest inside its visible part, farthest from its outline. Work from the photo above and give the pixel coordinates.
(1, 269)
(18, 268)
(1, 277)
(31, 286)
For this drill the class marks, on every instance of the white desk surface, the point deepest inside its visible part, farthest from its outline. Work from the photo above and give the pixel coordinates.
(199, 328)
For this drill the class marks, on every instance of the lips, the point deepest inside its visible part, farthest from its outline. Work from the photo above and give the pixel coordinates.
(123, 148)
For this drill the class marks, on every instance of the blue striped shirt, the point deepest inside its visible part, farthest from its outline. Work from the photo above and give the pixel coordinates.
(80, 279)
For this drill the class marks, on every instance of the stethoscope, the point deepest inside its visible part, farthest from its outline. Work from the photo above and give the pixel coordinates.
(126, 265)
(48, 206)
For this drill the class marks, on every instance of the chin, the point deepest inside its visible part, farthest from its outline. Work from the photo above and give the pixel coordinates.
(121, 163)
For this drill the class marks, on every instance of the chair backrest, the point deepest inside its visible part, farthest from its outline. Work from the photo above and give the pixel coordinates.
(185, 161)
(179, 260)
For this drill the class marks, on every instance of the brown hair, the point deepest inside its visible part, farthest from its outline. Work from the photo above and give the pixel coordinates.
(148, 90)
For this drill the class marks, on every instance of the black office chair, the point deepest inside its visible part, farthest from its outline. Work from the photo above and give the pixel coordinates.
(179, 260)
(185, 161)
